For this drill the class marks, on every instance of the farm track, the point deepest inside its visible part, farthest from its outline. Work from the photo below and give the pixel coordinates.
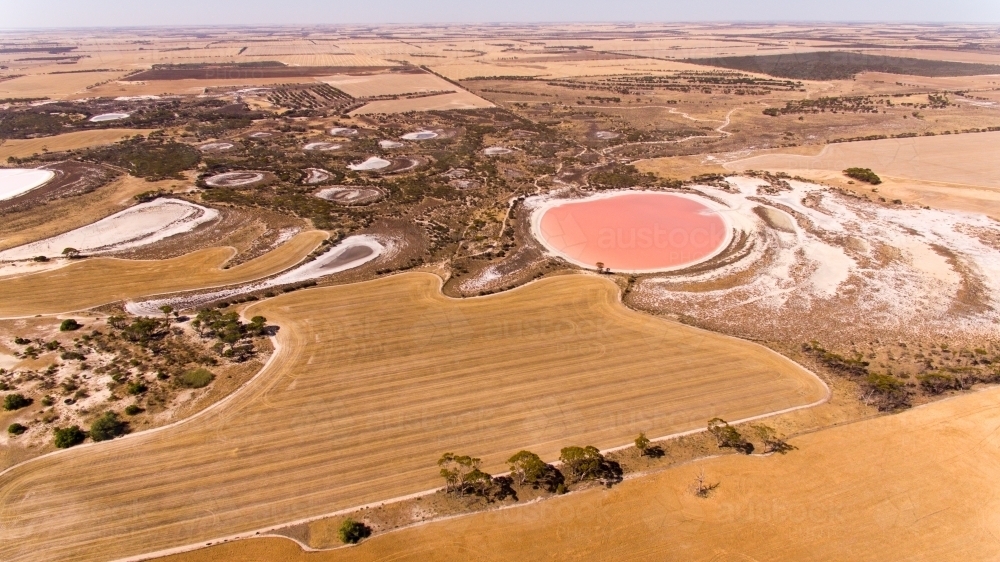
(98, 281)
(371, 383)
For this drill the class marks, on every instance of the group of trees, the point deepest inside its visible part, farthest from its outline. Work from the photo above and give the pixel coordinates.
(727, 436)
(463, 475)
(230, 331)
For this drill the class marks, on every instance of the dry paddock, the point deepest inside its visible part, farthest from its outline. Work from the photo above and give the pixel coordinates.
(372, 382)
(96, 281)
(920, 486)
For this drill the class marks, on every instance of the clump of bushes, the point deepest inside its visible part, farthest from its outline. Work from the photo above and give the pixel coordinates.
(863, 174)
(66, 437)
(727, 436)
(69, 325)
(352, 532)
(196, 378)
(15, 401)
(133, 410)
(16, 429)
(107, 427)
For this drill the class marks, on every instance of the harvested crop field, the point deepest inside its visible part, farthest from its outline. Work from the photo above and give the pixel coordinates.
(240, 72)
(371, 383)
(98, 281)
(969, 159)
(442, 102)
(921, 485)
(21, 148)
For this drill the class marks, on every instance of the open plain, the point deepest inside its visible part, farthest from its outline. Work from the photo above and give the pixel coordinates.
(370, 203)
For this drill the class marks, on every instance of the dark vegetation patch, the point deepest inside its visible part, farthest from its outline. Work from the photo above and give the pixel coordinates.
(150, 159)
(836, 65)
(863, 174)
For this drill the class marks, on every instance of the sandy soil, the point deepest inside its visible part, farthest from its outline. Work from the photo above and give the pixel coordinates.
(140, 225)
(919, 486)
(98, 281)
(20, 148)
(850, 262)
(576, 365)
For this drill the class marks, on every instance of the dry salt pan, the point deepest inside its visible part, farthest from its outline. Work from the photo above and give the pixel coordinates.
(496, 151)
(134, 227)
(232, 179)
(351, 252)
(321, 146)
(109, 117)
(373, 163)
(390, 144)
(216, 146)
(343, 132)
(17, 181)
(316, 175)
(420, 135)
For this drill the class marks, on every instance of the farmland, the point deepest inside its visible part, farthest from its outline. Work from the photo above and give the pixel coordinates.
(577, 366)
(441, 234)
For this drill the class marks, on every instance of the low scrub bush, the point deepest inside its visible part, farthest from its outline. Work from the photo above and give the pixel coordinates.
(352, 532)
(16, 429)
(66, 437)
(196, 378)
(863, 174)
(107, 427)
(15, 401)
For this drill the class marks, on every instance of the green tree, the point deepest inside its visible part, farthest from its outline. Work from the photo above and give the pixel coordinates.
(15, 401)
(773, 443)
(166, 310)
(107, 427)
(16, 429)
(71, 253)
(642, 443)
(352, 532)
(582, 463)
(728, 436)
(527, 467)
(69, 436)
(69, 325)
(461, 474)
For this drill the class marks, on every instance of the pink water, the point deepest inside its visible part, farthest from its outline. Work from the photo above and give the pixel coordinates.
(634, 231)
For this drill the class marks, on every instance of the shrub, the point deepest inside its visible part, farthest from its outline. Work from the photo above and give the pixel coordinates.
(863, 174)
(69, 436)
(69, 325)
(132, 410)
(136, 388)
(16, 429)
(352, 532)
(936, 383)
(728, 436)
(196, 378)
(107, 427)
(15, 402)
(886, 392)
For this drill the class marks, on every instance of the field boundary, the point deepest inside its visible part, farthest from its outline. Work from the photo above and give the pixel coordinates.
(269, 530)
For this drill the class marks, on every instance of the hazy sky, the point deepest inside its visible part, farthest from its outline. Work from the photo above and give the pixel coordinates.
(87, 13)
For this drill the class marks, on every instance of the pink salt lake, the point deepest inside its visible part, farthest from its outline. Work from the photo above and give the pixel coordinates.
(643, 231)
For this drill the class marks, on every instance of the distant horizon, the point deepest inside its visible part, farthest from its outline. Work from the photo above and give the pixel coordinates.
(120, 14)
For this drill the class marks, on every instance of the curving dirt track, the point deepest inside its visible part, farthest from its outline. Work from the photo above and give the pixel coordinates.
(371, 383)
(98, 281)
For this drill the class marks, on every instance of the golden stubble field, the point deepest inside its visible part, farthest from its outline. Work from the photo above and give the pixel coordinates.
(371, 383)
(921, 485)
(21, 148)
(960, 172)
(98, 281)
